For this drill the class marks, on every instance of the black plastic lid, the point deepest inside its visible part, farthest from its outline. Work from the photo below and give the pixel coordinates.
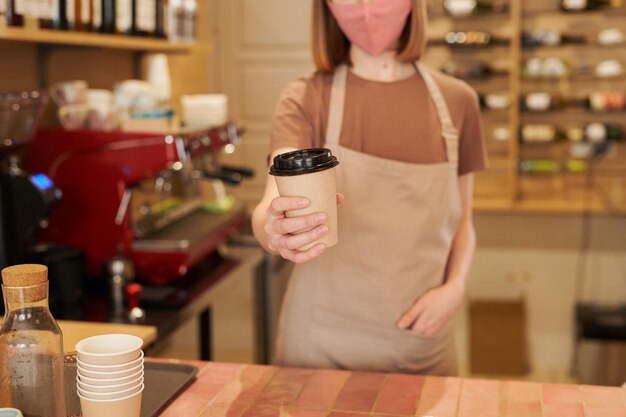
(303, 161)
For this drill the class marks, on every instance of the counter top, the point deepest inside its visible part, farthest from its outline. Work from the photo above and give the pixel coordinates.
(233, 390)
(75, 331)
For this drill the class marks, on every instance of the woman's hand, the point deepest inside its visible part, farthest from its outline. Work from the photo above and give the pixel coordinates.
(432, 311)
(286, 235)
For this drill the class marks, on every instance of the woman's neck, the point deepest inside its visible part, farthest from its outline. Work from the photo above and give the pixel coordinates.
(384, 67)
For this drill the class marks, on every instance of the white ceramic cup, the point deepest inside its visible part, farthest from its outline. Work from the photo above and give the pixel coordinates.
(110, 395)
(109, 349)
(110, 382)
(108, 388)
(110, 375)
(73, 116)
(69, 92)
(110, 368)
(10, 412)
(122, 407)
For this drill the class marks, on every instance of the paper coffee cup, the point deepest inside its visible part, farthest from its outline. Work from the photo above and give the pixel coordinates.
(310, 173)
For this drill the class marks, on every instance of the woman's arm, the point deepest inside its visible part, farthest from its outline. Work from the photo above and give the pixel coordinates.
(431, 312)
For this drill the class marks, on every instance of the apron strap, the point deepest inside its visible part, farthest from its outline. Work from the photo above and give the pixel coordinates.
(337, 99)
(448, 131)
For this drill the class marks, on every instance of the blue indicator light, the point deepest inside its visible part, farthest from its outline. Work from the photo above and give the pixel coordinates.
(42, 182)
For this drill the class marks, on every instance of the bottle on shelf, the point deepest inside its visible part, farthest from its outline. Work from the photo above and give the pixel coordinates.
(551, 67)
(543, 102)
(161, 19)
(471, 70)
(144, 17)
(96, 15)
(606, 101)
(107, 16)
(124, 12)
(603, 132)
(82, 15)
(190, 11)
(469, 39)
(539, 166)
(463, 8)
(550, 38)
(584, 5)
(3, 12)
(175, 20)
(541, 133)
(493, 101)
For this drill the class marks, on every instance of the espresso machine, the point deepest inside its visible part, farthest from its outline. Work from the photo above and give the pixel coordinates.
(141, 197)
(26, 199)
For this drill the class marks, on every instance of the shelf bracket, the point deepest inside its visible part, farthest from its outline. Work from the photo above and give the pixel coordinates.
(43, 57)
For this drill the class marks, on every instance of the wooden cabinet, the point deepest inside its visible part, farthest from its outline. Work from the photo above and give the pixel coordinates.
(598, 184)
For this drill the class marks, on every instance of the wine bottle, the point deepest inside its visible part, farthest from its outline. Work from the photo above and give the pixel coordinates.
(190, 11)
(539, 166)
(58, 16)
(470, 39)
(470, 70)
(14, 13)
(108, 16)
(82, 13)
(124, 12)
(606, 101)
(583, 5)
(541, 133)
(546, 68)
(603, 132)
(550, 38)
(161, 13)
(144, 19)
(494, 101)
(175, 20)
(542, 102)
(463, 8)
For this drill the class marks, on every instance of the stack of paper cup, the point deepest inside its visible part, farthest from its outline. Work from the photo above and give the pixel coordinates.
(110, 375)
(204, 110)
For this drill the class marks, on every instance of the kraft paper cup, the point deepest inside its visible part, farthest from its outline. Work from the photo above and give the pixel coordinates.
(123, 407)
(110, 368)
(111, 395)
(108, 388)
(109, 349)
(109, 382)
(109, 375)
(318, 184)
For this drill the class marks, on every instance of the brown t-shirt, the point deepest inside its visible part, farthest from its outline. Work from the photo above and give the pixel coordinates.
(393, 120)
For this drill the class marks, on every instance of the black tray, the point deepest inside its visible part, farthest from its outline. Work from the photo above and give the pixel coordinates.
(163, 382)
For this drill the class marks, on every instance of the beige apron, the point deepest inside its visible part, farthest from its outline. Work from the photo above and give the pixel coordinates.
(396, 230)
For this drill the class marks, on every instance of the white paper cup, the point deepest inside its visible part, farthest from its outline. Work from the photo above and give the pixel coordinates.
(110, 395)
(109, 382)
(110, 368)
(110, 375)
(108, 388)
(109, 349)
(123, 407)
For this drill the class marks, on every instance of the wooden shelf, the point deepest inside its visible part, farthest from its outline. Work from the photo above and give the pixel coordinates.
(97, 40)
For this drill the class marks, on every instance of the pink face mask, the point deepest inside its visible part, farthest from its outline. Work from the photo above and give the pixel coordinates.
(375, 26)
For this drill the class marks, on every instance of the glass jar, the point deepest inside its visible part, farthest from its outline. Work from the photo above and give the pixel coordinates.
(31, 354)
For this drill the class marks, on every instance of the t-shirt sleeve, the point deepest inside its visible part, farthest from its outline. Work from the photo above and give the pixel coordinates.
(293, 126)
(472, 149)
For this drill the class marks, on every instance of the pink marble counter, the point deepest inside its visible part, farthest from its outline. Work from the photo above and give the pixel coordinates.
(233, 390)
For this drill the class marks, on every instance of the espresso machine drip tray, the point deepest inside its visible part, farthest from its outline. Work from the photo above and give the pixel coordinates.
(169, 253)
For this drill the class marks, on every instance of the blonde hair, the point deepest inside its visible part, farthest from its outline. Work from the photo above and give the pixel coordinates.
(331, 47)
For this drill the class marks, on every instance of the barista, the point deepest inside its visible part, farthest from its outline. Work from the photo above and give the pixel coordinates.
(409, 140)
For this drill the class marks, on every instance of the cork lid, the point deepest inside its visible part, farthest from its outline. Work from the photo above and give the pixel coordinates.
(24, 275)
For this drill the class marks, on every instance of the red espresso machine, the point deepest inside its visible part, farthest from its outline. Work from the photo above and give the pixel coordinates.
(141, 196)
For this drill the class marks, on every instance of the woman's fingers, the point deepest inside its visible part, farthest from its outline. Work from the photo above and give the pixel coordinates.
(409, 319)
(300, 257)
(293, 242)
(340, 198)
(280, 205)
(298, 224)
